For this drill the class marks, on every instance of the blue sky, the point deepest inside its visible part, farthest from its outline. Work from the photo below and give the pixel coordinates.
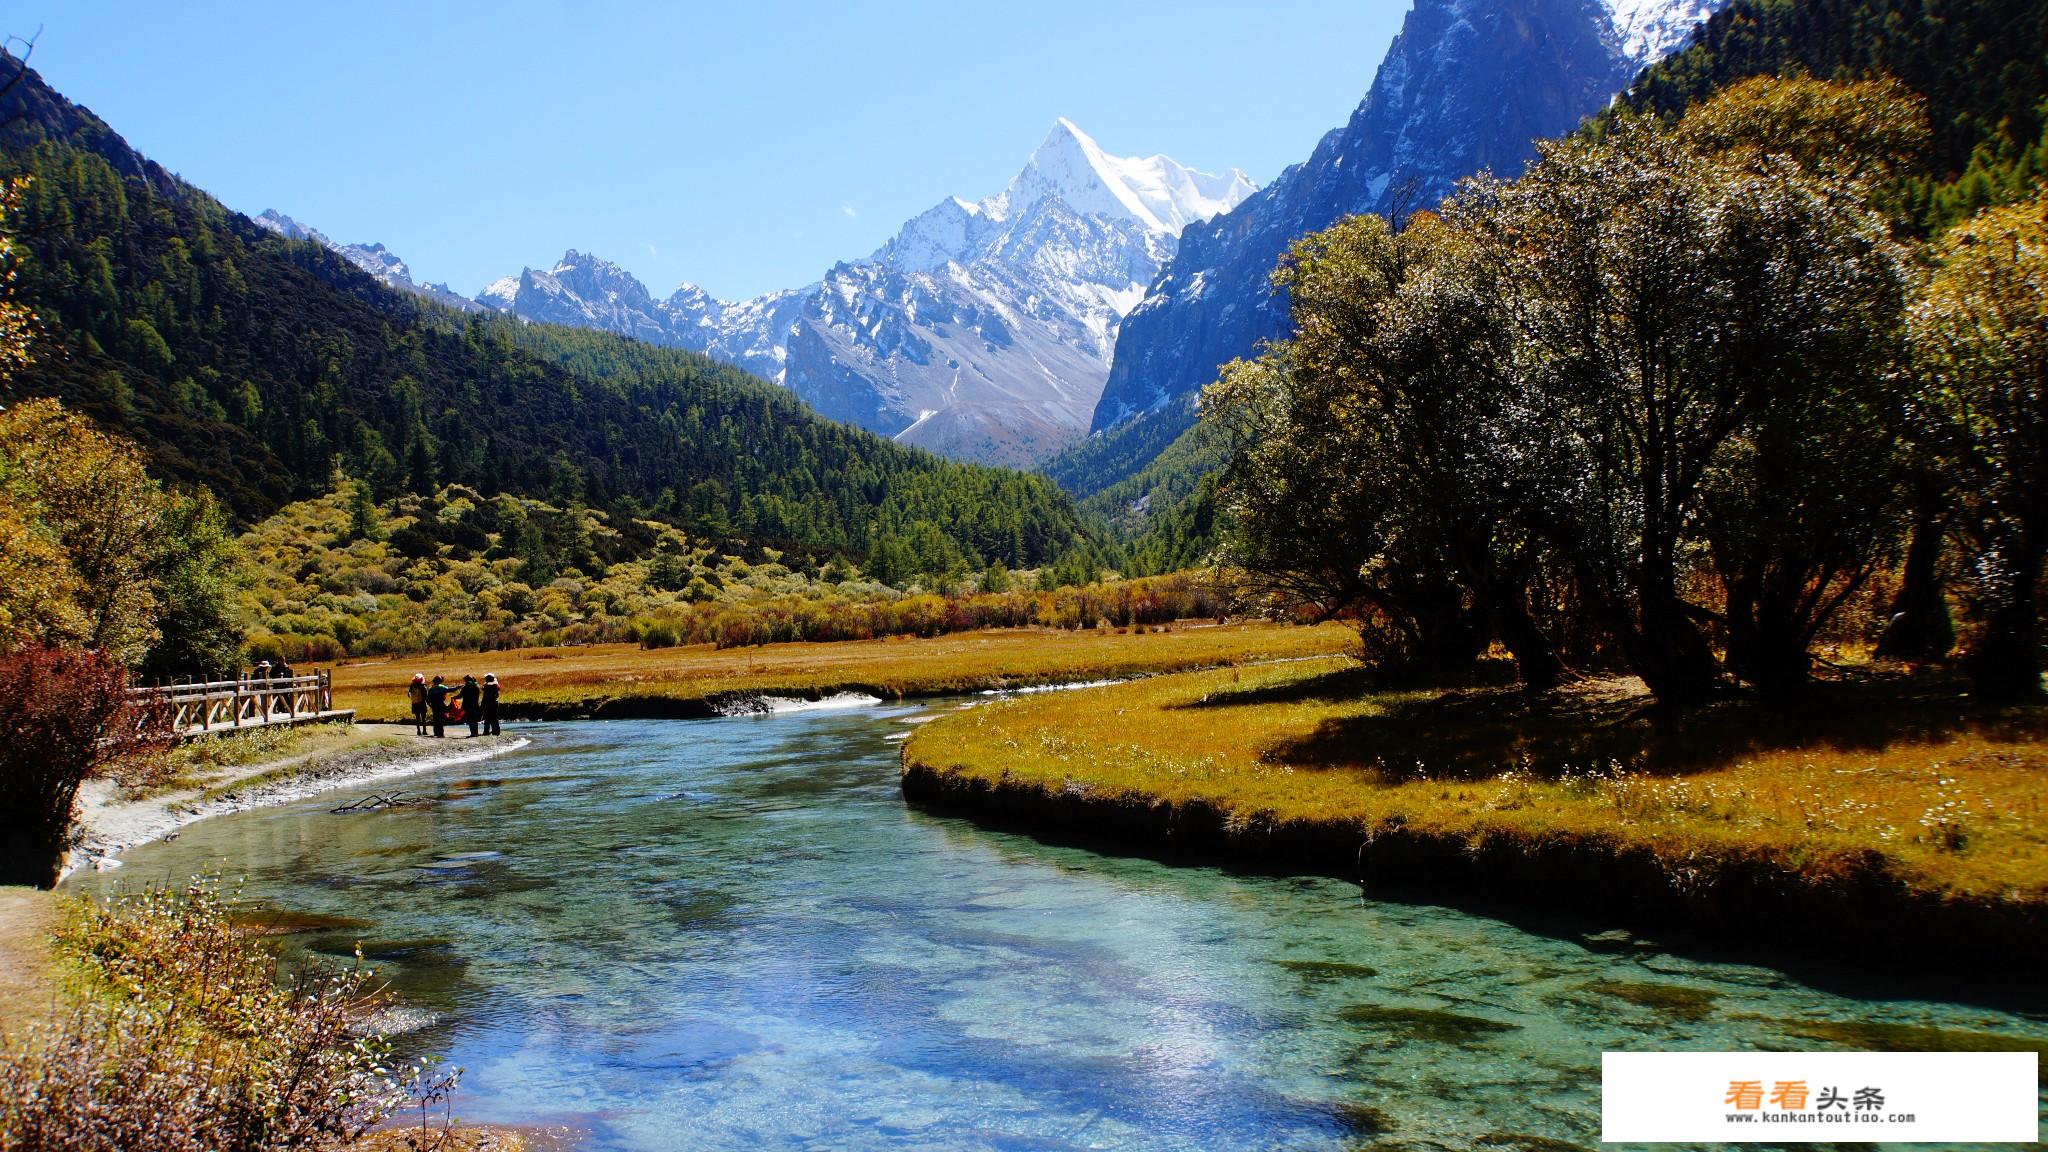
(745, 146)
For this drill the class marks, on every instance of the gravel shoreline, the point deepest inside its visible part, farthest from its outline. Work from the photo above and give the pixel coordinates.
(109, 826)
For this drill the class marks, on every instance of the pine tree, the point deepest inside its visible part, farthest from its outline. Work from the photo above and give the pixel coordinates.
(362, 513)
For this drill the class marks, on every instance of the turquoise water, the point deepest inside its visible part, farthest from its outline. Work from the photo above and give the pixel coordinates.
(733, 934)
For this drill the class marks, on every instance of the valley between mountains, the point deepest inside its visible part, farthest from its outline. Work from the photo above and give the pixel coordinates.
(994, 329)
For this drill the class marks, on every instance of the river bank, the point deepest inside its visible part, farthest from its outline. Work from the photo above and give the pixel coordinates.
(111, 821)
(624, 681)
(1920, 846)
(43, 986)
(736, 931)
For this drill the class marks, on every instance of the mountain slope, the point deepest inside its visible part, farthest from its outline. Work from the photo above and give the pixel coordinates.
(1979, 64)
(257, 364)
(982, 330)
(1976, 63)
(1468, 85)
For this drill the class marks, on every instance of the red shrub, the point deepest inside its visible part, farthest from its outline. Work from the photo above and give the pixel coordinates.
(63, 717)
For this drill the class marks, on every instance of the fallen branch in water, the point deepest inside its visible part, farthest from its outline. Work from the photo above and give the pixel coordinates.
(374, 801)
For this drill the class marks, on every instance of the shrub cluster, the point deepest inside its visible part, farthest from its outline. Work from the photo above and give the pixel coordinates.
(341, 575)
(1124, 603)
(189, 1042)
(63, 718)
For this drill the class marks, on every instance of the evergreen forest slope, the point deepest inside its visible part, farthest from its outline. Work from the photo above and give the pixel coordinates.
(257, 366)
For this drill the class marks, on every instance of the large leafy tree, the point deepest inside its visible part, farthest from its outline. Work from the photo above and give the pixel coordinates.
(1657, 378)
(196, 572)
(1691, 309)
(1438, 378)
(98, 522)
(1980, 337)
(1804, 504)
(1367, 470)
(1325, 507)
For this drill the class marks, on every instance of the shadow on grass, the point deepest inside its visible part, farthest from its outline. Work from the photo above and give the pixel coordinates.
(1356, 683)
(1476, 729)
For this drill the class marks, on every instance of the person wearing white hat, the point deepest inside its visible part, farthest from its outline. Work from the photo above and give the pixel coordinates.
(417, 694)
(490, 704)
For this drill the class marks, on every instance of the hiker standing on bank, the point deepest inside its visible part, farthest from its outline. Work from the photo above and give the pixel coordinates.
(416, 692)
(437, 706)
(491, 704)
(472, 698)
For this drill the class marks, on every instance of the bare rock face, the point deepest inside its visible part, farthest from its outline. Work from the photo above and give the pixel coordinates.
(1468, 86)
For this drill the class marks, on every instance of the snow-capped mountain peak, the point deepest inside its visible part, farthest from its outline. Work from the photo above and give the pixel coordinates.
(501, 293)
(1649, 30)
(1158, 195)
(596, 279)
(982, 329)
(1158, 192)
(379, 261)
(274, 221)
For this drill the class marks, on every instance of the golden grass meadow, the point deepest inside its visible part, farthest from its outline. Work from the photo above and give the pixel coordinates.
(569, 681)
(1955, 810)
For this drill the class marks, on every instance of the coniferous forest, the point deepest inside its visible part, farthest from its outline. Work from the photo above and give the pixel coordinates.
(256, 366)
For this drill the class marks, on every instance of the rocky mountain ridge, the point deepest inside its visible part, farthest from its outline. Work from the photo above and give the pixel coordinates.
(981, 330)
(375, 259)
(1468, 86)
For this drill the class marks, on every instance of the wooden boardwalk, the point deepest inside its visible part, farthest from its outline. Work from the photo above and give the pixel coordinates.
(189, 710)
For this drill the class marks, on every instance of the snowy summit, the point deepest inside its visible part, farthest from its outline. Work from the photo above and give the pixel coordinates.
(982, 330)
(1158, 194)
(1649, 30)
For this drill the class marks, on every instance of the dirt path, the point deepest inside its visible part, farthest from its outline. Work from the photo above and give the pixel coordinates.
(28, 981)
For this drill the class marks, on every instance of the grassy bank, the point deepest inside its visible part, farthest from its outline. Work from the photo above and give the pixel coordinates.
(1874, 813)
(213, 762)
(621, 679)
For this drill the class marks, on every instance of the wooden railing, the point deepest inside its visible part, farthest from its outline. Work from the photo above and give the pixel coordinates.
(185, 709)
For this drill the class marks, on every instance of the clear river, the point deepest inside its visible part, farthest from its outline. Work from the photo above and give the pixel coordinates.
(733, 934)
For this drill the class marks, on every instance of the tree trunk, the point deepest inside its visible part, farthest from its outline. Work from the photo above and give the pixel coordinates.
(2006, 664)
(1920, 627)
(1448, 638)
(1667, 650)
(1536, 658)
(1766, 639)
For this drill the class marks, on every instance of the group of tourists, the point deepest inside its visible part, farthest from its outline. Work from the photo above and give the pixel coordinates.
(437, 705)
